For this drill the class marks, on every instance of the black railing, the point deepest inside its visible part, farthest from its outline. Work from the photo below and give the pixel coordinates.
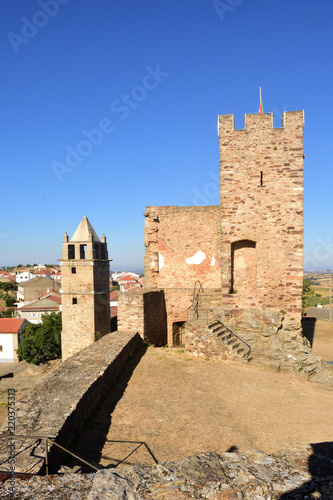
(47, 440)
(193, 310)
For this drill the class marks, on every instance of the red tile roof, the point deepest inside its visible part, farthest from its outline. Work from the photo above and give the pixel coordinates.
(52, 295)
(130, 286)
(127, 278)
(37, 305)
(114, 295)
(10, 325)
(44, 271)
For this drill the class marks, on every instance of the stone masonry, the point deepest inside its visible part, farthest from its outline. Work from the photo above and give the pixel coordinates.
(62, 403)
(250, 248)
(182, 246)
(144, 312)
(85, 289)
(261, 171)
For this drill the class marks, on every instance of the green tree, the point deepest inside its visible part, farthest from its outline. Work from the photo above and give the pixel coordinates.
(307, 293)
(41, 342)
(9, 301)
(4, 285)
(6, 314)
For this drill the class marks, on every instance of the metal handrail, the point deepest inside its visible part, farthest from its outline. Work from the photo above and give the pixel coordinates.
(47, 439)
(195, 302)
(209, 311)
(195, 315)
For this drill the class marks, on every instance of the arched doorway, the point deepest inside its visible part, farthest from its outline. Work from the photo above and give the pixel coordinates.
(243, 267)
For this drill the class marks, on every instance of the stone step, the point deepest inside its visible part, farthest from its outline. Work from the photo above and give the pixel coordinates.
(310, 368)
(219, 330)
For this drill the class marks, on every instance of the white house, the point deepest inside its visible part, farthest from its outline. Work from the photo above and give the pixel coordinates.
(25, 276)
(10, 329)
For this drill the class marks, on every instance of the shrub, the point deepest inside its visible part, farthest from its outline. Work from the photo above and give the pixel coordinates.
(41, 342)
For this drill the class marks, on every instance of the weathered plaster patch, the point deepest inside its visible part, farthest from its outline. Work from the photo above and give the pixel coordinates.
(197, 258)
(160, 261)
(213, 261)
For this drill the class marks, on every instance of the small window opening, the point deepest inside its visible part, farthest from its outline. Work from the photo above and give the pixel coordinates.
(103, 252)
(74, 300)
(73, 270)
(261, 178)
(83, 251)
(71, 251)
(97, 252)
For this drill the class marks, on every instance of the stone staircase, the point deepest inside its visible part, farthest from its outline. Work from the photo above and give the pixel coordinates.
(209, 334)
(236, 345)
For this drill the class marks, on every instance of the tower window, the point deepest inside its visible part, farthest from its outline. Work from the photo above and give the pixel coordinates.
(73, 269)
(261, 178)
(74, 300)
(83, 251)
(97, 251)
(71, 251)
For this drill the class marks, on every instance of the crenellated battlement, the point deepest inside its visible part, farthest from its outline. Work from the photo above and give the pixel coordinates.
(290, 119)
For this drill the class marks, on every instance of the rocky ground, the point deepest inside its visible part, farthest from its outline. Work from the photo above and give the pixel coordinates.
(301, 473)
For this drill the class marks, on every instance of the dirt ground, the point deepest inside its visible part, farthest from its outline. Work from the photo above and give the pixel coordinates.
(166, 405)
(172, 406)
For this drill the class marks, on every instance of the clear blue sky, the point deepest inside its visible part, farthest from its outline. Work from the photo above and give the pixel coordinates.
(153, 76)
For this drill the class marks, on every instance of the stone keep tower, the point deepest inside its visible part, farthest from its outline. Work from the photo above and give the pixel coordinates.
(261, 186)
(85, 292)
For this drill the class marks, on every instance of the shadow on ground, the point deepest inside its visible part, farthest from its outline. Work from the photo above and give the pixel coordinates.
(89, 443)
(320, 466)
(308, 328)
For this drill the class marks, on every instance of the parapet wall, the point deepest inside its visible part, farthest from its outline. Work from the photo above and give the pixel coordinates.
(59, 408)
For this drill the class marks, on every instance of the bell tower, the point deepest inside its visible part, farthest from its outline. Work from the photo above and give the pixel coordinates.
(85, 295)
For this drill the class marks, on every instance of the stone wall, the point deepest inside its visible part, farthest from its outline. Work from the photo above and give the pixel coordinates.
(59, 408)
(182, 246)
(261, 170)
(200, 342)
(155, 318)
(178, 300)
(131, 311)
(152, 313)
(144, 311)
